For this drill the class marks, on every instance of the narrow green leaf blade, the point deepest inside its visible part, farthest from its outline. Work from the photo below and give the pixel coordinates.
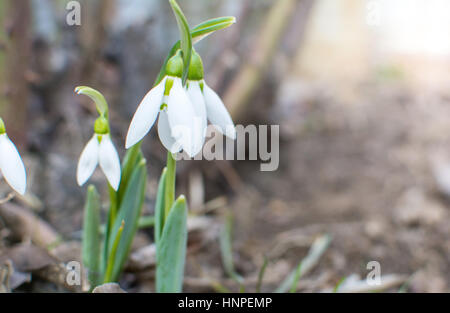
(316, 251)
(129, 212)
(297, 275)
(91, 236)
(227, 250)
(261, 273)
(208, 27)
(159, 206)
(112, 255)
(146, 222)
(132, 158)
(185, 33)
(172, 250)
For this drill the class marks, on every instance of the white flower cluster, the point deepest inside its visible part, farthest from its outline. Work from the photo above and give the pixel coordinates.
(182, 113)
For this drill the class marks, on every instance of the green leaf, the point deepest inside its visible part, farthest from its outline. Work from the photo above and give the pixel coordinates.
(208, 27)
(316, 251)
(146, 222)
(186, 39)
(96, 96)
(227, 250)
(91, 236)
(297, 275)
(339, 284)
(169, 191)
(159, 206)
(112, 254)
(171, 253)
(132, 158)
(261, 273)
(129, 212)
(199, 32)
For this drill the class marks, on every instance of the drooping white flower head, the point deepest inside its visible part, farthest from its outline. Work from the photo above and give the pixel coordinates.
(11, 164)
(99, 150)
(206, 102)
(177, 116)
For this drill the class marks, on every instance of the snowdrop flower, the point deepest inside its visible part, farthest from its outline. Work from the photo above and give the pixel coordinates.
(99, 150)
(177, 117)
(206, 102)
(11, 164)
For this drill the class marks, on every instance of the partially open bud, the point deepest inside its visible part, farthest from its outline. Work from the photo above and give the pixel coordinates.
(175, 65)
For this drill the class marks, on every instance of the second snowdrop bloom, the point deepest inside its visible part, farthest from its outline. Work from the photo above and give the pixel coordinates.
(206, 102)
(11, 164)
(177, 117)
(100, 149)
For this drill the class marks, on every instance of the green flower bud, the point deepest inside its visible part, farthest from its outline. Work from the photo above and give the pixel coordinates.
(196, 67)
(175, 65)
(101, 126)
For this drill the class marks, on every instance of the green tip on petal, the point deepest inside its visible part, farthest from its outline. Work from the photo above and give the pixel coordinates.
(196, 67)
(2, 127)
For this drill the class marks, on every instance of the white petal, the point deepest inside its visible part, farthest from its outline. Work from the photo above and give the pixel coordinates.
(109, 161)
(217, 113)
(164, 134)
(145, 115)
(11, 165)
(200, 121)
(181, 117)
(88, 161)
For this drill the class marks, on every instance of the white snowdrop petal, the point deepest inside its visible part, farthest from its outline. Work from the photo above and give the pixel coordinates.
(11, 165)
(164, 134)
(181, 117)
(145, 115)
(109, 161)
(200, 122)
(217, 113)
(88, 161)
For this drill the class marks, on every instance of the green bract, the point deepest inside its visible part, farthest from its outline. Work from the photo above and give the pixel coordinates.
(97, 97)
(186, 39)
(206, 28)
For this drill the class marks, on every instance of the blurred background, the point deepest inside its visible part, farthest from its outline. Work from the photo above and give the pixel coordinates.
(360, 89)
